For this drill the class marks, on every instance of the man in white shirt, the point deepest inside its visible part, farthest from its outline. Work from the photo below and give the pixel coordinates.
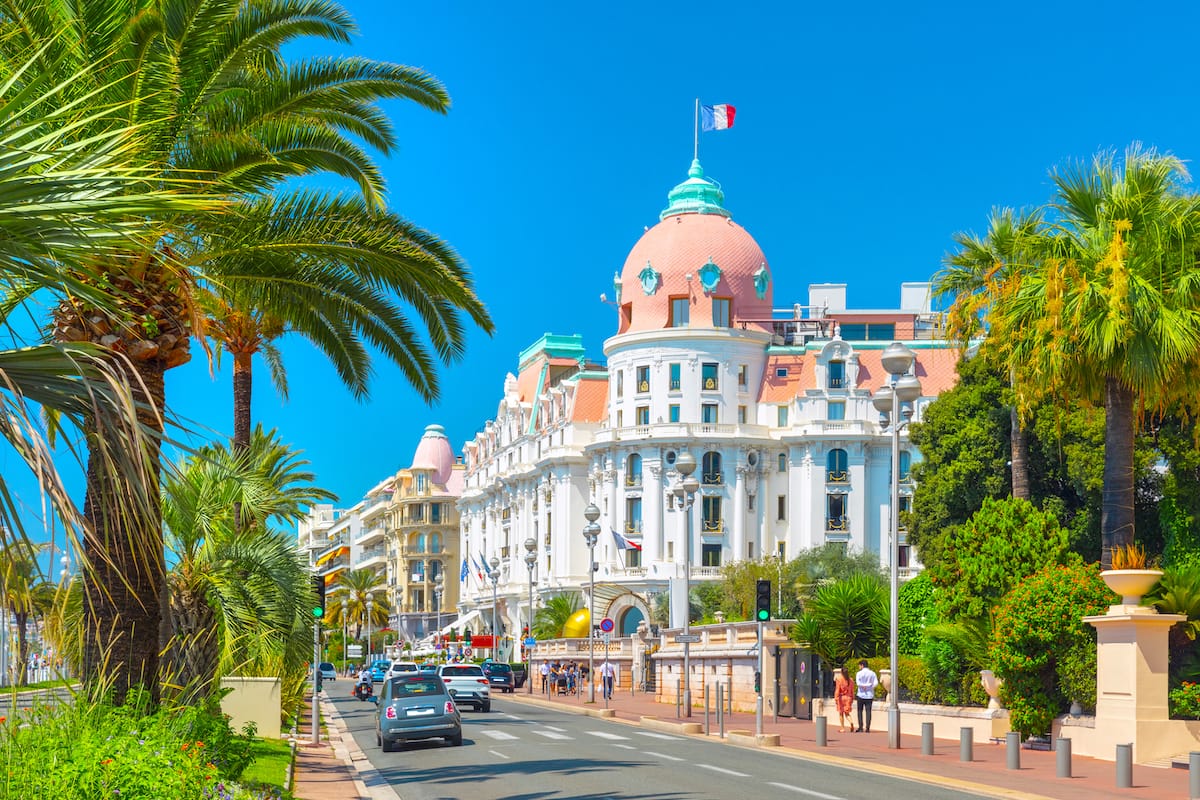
(545, 670)
(866, 681)
(607, 675)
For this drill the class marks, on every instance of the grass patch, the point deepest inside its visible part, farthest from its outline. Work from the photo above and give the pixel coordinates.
(271, 760)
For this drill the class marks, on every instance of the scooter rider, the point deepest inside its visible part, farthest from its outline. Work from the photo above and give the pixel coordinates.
(365, 685)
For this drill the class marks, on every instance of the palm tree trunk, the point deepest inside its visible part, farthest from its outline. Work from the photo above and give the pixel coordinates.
(1019, 442)
(1116, 511)
(195, 647)
(22, 619)
(242, 385)
(124, 565)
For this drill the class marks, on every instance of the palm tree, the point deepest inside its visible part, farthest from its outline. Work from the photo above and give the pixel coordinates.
(20, 579)
(1109, 307)
(363, 591)
(549, 620)
(970, 276)
(214, 103)
(236, 591)
(846, 619)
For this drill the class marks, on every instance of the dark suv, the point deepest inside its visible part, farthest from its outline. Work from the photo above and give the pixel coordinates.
(500, 676)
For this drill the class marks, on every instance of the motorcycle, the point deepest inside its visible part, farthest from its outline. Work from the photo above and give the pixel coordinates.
(363, 691)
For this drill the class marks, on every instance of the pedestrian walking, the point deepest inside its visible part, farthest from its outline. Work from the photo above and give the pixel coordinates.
(843, 698)
(866, 681)
(545, 670)
(608, 674)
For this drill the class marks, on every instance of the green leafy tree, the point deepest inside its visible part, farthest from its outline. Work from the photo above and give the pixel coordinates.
(549, 620)
(1039, 633)
(846, 619)
(1005, 541)
(918, 610)
(1178, 592)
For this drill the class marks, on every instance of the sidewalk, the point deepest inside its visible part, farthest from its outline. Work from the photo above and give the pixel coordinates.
(987, 773)
(325, 771)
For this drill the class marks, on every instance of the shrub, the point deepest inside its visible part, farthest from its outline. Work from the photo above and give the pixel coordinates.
(917, 611)
(1037, 628)
(946, 669)
(846, 620)
(1185, 701)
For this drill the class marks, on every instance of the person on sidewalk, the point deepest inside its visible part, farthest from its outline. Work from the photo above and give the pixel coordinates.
(843, 698)
(866, 680)
(608, 674)
(545, 670)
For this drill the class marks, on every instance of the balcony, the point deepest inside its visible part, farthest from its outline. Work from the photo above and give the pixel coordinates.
(372, 534)
(713, 526)
(633, 526)
(679, 430)
(330, 544)
(371, 557)
(634, 480)
(837, 476)
(712, 479)
(841, 523)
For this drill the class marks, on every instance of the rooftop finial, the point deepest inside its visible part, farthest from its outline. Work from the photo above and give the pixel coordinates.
(696, 195)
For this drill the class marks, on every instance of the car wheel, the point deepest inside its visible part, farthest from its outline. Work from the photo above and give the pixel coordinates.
(455, 741)
(486, 707)
(389, 747)
(378, 738)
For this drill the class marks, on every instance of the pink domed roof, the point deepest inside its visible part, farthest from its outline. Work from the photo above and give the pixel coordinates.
(433, 452)
(695, 238)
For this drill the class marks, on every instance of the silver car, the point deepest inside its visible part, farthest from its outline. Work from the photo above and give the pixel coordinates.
(415, 706)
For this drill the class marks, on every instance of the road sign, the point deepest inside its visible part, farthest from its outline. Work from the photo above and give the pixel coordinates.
(530, 641)
(606, 625)
(687, 638)
(354, 651)
(606, 636)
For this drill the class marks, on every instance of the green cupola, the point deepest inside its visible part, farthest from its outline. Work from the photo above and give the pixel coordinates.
(696, 195)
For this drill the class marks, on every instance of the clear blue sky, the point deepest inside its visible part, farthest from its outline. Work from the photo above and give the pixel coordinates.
(866, 134)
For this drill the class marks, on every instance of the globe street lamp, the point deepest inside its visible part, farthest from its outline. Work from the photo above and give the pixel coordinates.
(894, 404)
(685, 491)
(494, 574)
(591, 532)
(370, 610)
(439, 586)
(530, 562)
(345, 632)
(66, 567)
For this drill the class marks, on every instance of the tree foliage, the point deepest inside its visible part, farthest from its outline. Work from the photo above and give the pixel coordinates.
(846, 619)
(918, 610)
(549, 620)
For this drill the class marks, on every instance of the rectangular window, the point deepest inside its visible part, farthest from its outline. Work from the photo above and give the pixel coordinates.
(670, 551)
(620, 383)
(781, 549)
(709, 380)
(781, 507)
(743, 376)
(835, 411)
(749, 551)
(712, 515)
(708, 413)
(643, 415)
(721, 306)
(835, 516)
(674, 381)
(710, 555)
(673, 412)
(680, 312)
(741, 415)
(749, 502)
(643, 380)
(620, 418)
(783, 462)
(781, 416)
(902, 561)
(781, 372)
(435, 513)
(633, 558)
(633, 515)
(837, 375)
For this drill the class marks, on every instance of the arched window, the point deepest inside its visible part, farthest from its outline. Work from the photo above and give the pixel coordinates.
(629, 621)
(420, 543)
(435, 542)
(783, 462)
(905, 466)
(711, 469)
(633, 470)
(836, 467)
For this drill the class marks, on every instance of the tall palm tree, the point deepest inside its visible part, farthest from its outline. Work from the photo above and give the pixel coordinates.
(1109, 307)
(20, 579)
(359, 588)
(215, 103)
(236, 591)
(970, 276)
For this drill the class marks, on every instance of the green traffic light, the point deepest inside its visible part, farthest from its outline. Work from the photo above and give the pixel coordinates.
(318, 612)
(763, 616)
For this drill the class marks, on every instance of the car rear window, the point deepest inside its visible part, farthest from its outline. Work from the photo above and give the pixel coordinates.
(381, 665)
(500, 669)
(453, 671)
(325, 665)
(411, 687)
(404, 666)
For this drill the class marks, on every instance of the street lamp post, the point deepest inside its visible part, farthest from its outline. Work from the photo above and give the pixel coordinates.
(439, 586)
(530, 562)
(345, 632)
(894, 404)
(494, 574)
(685, 491)
(370, 610)
(591, 532)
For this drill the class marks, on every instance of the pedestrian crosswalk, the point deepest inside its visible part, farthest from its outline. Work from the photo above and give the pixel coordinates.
(561, 734)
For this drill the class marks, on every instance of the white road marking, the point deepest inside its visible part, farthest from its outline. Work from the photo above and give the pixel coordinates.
(661, 755)
(513, 716)
(625, 746)
(498, 735)
(606, 735)
(552, 735)
(724, 771)
(657, 736)
(808, 792)
(552, 728)
(498, 753)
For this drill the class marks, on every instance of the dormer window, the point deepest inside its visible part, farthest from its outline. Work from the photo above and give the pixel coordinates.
(721, 312)
(680, 312)
(837, 375)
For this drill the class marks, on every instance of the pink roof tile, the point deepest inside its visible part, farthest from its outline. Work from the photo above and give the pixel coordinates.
(591, 400)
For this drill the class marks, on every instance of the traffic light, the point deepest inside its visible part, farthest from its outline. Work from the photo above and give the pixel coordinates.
(467, 637)
(318, 584)
(762, 600)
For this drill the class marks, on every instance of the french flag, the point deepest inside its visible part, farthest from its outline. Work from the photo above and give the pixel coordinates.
(717, 118)
(623, 543)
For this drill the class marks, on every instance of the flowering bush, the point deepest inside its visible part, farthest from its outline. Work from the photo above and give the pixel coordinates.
(1185, 701)
(1039, 631)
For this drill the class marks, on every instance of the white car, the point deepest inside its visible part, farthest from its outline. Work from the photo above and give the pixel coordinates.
(402, 668)
(467, 685)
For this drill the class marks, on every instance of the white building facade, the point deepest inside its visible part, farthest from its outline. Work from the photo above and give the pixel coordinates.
(775, 406)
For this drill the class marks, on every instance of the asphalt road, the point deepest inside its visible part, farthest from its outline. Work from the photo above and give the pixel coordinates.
(524, 752)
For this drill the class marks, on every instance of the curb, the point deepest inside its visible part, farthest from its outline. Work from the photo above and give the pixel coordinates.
(368, 782)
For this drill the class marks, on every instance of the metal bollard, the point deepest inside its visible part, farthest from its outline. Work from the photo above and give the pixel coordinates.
(822, 727)
(729, 696)
(678, 698)
(926, 738)
(1193, 776)
(707, 726)
(1125, 766)
(966, 744)
(720, 710)
(1012, 742)
(1062, 757)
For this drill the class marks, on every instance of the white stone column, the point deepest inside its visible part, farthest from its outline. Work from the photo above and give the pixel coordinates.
(652, 514)
(738, 543)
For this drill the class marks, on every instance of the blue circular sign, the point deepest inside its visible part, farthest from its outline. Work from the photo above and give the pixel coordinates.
(607, 625)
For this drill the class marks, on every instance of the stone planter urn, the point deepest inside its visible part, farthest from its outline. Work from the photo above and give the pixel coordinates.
(885, 679)
(991, 685)
(1131, 584)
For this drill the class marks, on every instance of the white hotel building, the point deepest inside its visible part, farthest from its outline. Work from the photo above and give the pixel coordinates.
(775, 406)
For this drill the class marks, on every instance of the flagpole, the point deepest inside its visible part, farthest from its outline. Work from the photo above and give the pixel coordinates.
(696, 133)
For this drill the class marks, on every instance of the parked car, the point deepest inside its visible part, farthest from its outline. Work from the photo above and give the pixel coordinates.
(429, 666)
(379, 670)
(519, 675)
(467, 685)
(415, 706)
(328, 673)
(402, 668)
(500, 676)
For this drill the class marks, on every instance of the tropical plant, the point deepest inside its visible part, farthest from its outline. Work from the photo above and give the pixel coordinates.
(845, 619)
(1129, 556)
(365, 596)
(1178, 592)
(549, 620)
(828, 563)
(21, 584)
(236, 590)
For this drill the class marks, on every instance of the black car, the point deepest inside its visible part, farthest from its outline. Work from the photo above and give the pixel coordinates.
(500, 676)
